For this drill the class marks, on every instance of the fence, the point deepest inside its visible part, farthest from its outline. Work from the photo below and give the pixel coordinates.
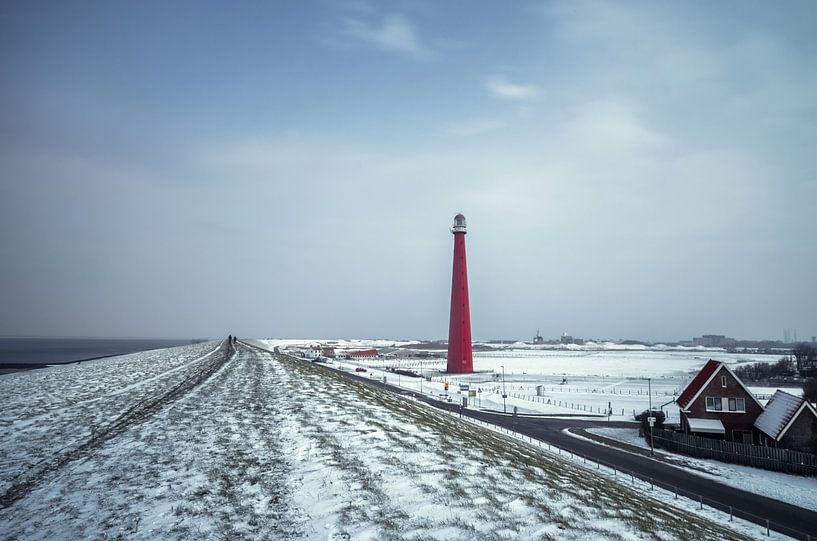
(635, 477)
(768, 458)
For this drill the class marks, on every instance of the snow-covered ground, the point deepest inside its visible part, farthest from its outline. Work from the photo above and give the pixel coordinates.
(585, 379)
(794, 489)
(253, 446)
(60, 408)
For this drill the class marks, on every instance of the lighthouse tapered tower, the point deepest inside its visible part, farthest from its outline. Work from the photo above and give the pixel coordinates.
(459, 326)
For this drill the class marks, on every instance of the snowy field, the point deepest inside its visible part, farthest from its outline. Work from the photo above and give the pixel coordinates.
(199, 443)
(587, 379)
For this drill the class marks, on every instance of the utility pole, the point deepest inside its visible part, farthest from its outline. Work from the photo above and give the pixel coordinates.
(650, 418)
(504, 395)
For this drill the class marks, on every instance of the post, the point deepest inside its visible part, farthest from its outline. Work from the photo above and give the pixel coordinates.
(767, 527)
(730, 513)
(504, 395)
(652, 441)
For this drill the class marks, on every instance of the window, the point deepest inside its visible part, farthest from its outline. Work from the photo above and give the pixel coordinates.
(716, 403)
(737, 404)
(742, 436)
(723, 381)
(713, 403)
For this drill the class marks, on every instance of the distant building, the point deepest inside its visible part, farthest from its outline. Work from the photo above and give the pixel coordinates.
(789, 422)
(714, 341)
(567, 339)
(363, 354)
(538, 339)
(717, 404)
(313, 352)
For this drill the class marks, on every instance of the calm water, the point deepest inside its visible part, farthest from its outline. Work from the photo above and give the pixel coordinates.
(39, 351)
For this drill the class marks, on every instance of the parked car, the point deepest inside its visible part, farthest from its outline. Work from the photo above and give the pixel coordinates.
(360, 369)
(659, 415)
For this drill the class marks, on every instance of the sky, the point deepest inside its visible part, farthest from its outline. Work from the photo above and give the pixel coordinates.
(641, 170)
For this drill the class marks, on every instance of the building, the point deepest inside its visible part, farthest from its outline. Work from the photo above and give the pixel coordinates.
(363, 354)
(567, 339)
(314, 352)
(460, 354)
(714, 341)
(538, 339)
(789, 422)
(717, 404)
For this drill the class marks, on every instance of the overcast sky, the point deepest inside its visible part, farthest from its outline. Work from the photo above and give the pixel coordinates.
(291, 169)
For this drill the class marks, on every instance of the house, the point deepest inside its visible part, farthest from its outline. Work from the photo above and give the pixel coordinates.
(313, 352)
(789, 422)
(717, 404)
(363, 354)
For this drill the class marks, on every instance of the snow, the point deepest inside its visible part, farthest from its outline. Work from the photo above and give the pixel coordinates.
(597, 378)
(267, 447)
(793, 489)
(779, 411)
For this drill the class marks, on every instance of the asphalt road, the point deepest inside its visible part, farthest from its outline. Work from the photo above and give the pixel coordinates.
(785, 518)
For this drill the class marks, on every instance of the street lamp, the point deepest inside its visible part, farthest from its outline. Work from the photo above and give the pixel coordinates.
(504, 395)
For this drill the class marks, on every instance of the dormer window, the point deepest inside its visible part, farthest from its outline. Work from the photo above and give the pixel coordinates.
(723, 381)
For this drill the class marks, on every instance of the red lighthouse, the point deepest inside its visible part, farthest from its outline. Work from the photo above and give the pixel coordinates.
(459, 326)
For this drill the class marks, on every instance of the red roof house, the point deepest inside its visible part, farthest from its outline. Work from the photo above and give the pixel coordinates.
(717, 404)
(790, 422)
(364, 353)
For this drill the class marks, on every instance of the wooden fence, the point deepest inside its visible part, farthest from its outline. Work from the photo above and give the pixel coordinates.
(768, 458)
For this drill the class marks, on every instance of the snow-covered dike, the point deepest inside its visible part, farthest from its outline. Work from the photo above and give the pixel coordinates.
(266, 447)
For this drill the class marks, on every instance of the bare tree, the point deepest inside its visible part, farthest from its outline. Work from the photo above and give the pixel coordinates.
(810, 389)
(806, 358)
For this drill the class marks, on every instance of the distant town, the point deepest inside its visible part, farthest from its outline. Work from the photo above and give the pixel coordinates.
(732, 345)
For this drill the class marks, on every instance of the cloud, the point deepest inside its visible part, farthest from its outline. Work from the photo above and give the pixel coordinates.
(502, 88)
(393, 33)
(613, 126)
(473, 127)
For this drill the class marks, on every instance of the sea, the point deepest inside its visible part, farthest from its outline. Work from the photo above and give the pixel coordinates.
(27, 353)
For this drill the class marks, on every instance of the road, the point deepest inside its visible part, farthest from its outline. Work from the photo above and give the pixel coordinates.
(785, 518)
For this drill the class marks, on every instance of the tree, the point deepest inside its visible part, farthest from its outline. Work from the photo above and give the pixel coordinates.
(806, 357)
(810, 389)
